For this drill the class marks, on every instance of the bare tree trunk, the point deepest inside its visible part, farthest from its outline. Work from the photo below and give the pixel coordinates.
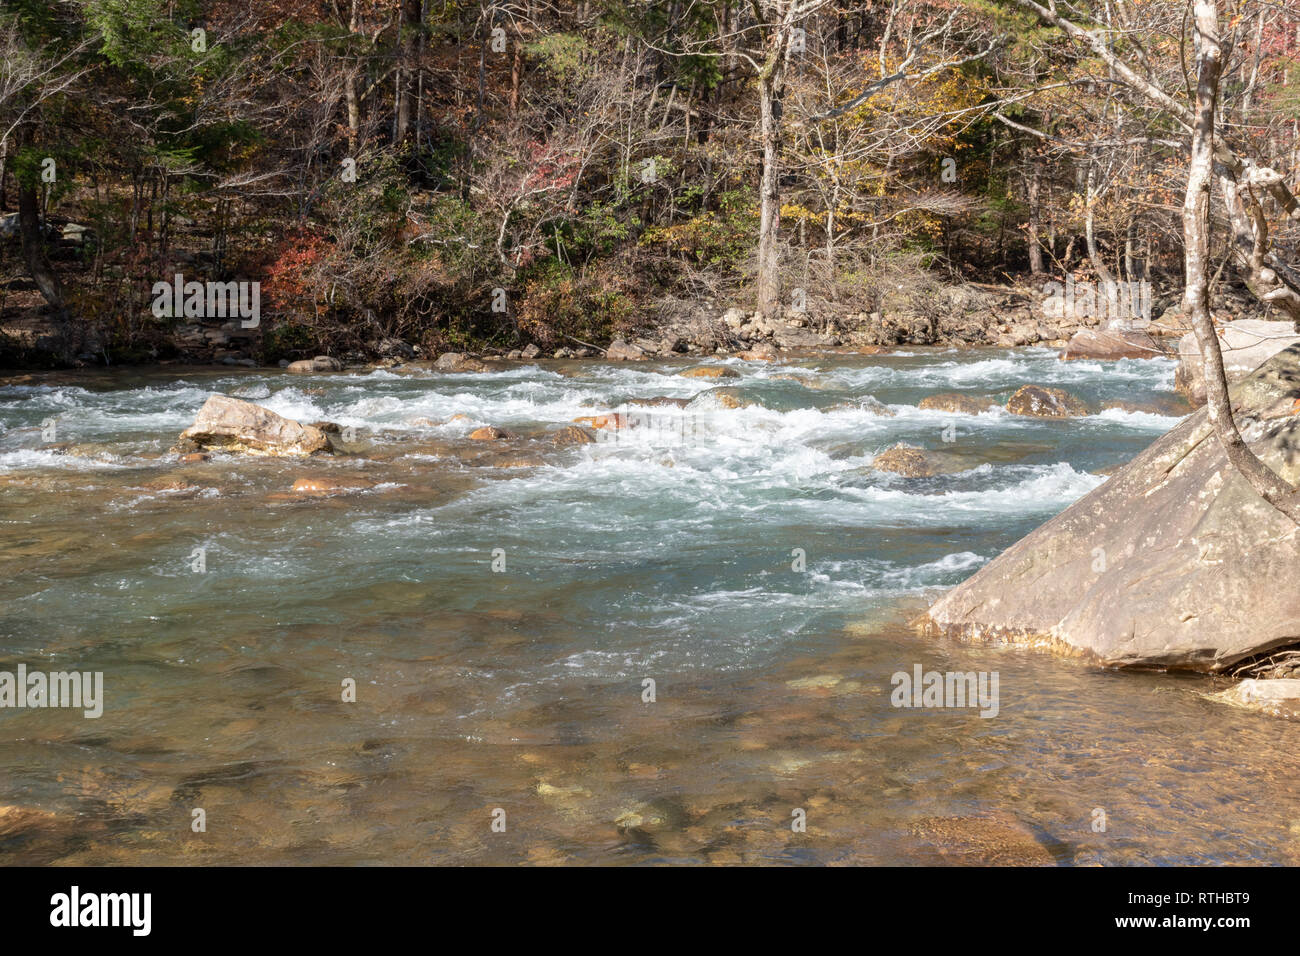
(350, 90)
(33, 242)
(1032, 194)
(769, 266)
(1196, 232)
(1090, 236)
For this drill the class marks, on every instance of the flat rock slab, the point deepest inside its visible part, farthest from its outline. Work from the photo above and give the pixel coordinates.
(1174, 561)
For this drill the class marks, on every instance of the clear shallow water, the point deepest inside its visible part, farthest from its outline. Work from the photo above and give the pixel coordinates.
(649, 557)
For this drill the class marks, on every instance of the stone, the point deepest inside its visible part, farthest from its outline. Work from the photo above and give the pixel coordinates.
(913, 462)
(759, 353)
(321, 363)
(573, 435)
(456, 362)
(530, 351)
(1246, 344)
(726, 397)
(490, 433)
(235, 425)
(957, 403)
(1039, 401)
(1174, 561)
(1109, 344)
(1276, 698)
(620, 351)
(330, 486)
(709, 371)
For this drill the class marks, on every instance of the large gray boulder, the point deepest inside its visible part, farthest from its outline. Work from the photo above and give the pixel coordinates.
(231, 424)
(1246, 345)
(1174, 561)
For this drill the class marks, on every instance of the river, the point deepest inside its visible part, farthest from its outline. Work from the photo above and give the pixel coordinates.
(501, 606)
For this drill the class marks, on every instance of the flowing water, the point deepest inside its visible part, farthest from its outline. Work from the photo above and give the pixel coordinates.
(500, 606)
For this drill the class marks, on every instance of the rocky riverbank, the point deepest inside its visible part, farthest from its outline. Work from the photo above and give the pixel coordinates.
(953, 315)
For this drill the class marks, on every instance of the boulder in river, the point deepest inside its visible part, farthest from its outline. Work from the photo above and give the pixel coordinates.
(1039, 401)
(913, 462)
(957, 403)
(709, 371)
(232, 424)
(321, 363)
(1246, 344)
(456, 362)
(1112, 344)
(490, 433)
(1173, 562)
(621, 351)
(573, 435)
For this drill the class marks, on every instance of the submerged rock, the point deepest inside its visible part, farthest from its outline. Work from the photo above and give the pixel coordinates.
(709, 371)
(235, 425)
(1174, 561)
(1277, 698)
(330, 486)
(1039, 401)
(1246, 345)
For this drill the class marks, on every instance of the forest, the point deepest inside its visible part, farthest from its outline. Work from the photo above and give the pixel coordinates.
(397, 173)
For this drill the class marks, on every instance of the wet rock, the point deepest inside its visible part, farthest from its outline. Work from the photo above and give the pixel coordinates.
(1039, 401)
(234, 425)
(759, 353)
(573, 435)
(193, 457)
(660, 401)
(871, 405)
(992, 839)
(1276, 698)
(321, 363)
(957, 403)
(913, 462)
(1175, 561)
(330, 486)
(1246, 344)
(613, 420)
(725, 397)
(620, 351)
(456, 362)
(329, 428)
(1112, 344)
(709, 371)
(490, 433)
